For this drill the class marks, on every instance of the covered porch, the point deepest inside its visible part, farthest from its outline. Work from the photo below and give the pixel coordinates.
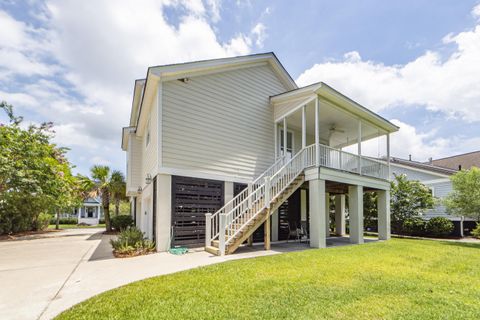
(319, 115)
(333, 127)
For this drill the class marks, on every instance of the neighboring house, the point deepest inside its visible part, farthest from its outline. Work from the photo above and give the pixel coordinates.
(89, 213)
(438, 180)
(230, 150)
(462, 161)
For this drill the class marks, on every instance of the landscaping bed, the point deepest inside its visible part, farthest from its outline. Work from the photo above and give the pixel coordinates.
(397, 279)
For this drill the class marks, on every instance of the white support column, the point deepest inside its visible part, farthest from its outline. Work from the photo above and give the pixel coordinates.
(304, 126)
(462, 218)
(228, 193)
(359, 144)
(327, 214)
(355, 211)
(317, 213)
(164, 212)
(317, 132)
(340, 215)
(275, 225)
(383, 209)
(285, 136)
(275, 138)
(388, 155)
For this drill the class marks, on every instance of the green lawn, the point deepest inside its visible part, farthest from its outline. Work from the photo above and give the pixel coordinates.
(74, 226)
(398, 279)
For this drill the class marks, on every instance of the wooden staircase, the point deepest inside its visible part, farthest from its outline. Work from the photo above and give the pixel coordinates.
(247, 230)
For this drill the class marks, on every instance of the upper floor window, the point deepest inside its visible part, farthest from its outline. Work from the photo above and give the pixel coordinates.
(147, 137)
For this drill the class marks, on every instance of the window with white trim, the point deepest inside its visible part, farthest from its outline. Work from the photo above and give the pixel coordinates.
(147, 137)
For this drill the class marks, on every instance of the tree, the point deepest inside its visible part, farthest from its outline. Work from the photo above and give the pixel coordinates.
(409, 199)
(105, 184)
(370, 212)
(464, 200)
(35, 175)
(118, 189)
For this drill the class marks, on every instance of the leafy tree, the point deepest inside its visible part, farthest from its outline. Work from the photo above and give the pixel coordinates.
(409, 199)
(35, 176)
(104, 183)
(370, 212)
(464, 200)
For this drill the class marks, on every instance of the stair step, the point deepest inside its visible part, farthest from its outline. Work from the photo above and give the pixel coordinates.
(215, 243)
(212, 250)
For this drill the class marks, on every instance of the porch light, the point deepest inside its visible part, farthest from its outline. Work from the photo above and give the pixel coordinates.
(148, 179)
(139, 190)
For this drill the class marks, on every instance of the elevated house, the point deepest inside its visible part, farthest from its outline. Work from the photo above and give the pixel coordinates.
(225, 151)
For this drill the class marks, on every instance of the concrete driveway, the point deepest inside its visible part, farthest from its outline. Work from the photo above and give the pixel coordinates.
(43, 276)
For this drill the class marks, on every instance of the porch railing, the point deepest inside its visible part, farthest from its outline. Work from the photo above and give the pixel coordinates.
(227, 222)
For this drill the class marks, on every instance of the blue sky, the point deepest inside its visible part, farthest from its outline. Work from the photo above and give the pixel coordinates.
(414, 62)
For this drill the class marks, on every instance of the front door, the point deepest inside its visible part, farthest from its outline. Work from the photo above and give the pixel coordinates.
(289, 144)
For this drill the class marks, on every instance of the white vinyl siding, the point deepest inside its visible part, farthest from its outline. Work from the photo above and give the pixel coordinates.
(150, 150)
(134, 163)
(440, 191)
(220, 123)
(413, 174)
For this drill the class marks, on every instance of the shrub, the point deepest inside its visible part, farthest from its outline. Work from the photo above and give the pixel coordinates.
(64, 220)
(413, 226)
(101, 221)
(42, 221)
(122, 222)
(131, 242)
(439, 226)
(476, 232)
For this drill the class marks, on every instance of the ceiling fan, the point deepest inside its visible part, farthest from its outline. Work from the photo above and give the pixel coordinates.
(333, 130)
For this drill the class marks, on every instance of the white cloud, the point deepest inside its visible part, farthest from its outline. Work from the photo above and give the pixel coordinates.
(421, 145)
(476, 11)
(260, 33)
(447, 84)
(87, 58)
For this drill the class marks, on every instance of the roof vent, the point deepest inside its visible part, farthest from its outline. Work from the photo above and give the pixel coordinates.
(184, 80)
(409, 157)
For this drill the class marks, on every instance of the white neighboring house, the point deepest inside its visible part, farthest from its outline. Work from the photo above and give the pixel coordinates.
(89, 213)
(438, 180)
(227, 150)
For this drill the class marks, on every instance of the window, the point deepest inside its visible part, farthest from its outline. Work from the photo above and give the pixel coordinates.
(147, 138)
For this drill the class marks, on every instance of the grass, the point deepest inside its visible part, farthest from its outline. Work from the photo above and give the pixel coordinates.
(398, 279)
(74, 226)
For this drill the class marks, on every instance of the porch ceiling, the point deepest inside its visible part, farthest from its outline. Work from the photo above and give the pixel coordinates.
(337, 127)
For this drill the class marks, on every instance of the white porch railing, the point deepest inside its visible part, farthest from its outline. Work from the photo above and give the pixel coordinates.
(227, 222)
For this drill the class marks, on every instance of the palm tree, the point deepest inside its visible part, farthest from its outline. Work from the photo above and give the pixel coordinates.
(102, 185)
(118, 189)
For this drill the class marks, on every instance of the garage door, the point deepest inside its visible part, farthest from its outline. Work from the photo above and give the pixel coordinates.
(191, 199)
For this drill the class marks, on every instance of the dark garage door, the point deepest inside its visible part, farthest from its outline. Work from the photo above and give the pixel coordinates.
(191, 199)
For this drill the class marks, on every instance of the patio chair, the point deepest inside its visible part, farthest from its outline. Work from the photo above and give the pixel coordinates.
(293, 232)
(304, 231)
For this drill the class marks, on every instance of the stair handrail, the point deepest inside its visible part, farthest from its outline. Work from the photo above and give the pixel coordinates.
(213, 221)
(246, 210)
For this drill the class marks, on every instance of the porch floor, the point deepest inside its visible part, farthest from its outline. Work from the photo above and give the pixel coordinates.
(292, 245)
